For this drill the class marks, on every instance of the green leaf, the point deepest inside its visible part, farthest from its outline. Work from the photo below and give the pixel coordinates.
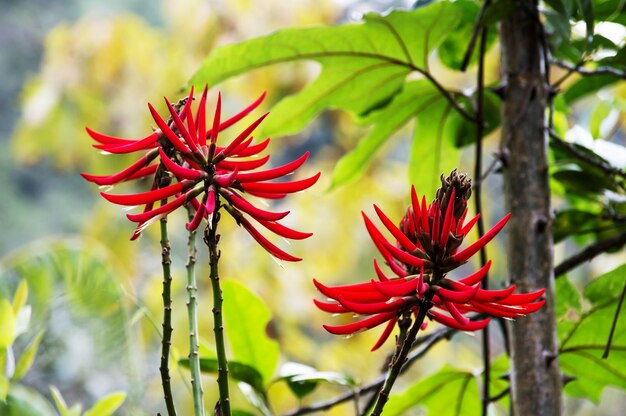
(4, 388)
(327, 377)
(498, 11)
(19, 299)
(255, 398)
(23, 401)
(107, 405)
(362, 64)
(583, 340)
(236, 370)
(586, 86)
(59, 401)
(7, 324)
(452, 49)
(27, 358)
(433, 148)
(447, 392)
(568, 300)
(246, 318)
(600, 112)
(301, 388)
(585, 8)
(414, 98)
(573, 221)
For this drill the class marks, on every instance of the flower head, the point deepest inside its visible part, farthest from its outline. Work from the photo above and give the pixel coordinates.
(190, 168)
(427, 247)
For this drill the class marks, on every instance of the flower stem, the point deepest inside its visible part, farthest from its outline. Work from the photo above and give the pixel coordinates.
(192, 317)
(405, 341)
(166, 341)
(211, 238)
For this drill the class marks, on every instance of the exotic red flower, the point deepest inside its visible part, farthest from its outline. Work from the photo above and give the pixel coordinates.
(188, 165)
(426, 249)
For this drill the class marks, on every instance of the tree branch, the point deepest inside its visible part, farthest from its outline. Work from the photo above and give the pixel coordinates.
(589, 253)
(601, 70)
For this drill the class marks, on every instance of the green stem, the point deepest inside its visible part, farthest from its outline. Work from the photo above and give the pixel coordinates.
(166, 340)
(211, 238)
(403, 346)
(192, 317)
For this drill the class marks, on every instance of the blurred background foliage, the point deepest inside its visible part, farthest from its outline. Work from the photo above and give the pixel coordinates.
(96, 297)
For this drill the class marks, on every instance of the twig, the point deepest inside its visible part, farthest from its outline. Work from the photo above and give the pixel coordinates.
(500, 395)
(477, 198)
(607, 349)
(477, 26)
(426, 343)
(166, 341)
(589, 253)
(601, 70)
(446, 94)
(572, 150)
(211, 239)
(192, 317)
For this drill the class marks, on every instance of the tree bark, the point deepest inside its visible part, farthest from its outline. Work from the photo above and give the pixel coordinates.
(535, 376)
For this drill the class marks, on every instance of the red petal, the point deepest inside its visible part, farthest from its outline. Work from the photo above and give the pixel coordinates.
(147, 197)
(445, 229)
(143, 144)
(281, 187)
(181, 126)
(273, 173)
(395, 290)
(179, 171)
(367, 323)
(395, 231)
(163, 209)
(165, 129)
(424, 212)
(266, 244)
(242, 136)
(197, 219)
(143, 172)
(459, 295)
(104, 139)
(240, 115)
(452, 323)
(251, 150)
(474, 278)
(284, 231)
(468, 252)
(385, 335)
(381, 276)
(201, 118)
(371, 308)
(522, 298)
(243, 165)
(330, 307)
(258, 214)
(120, 176)
(468, 227)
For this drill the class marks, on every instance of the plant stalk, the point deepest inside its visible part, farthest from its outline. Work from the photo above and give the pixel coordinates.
(166, 341)
(192, 317)
(211, 238)
(405, 341)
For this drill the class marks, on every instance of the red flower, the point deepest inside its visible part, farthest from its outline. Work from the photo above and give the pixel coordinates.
(426, 249)
(185, 152)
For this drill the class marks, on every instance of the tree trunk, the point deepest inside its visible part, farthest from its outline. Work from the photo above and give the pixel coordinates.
(535, 376)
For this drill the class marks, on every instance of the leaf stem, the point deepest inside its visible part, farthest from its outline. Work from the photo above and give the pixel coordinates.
(404, 343)
(486, 351)
(192, 317)
(607, 349)
(166, 340)
(211, 239)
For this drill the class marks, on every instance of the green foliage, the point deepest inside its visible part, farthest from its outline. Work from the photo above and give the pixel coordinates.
(247, 337)
(583, 335)
(302, 379)
(447, 392)
(236, 370)
(107, 405)
(27, 358)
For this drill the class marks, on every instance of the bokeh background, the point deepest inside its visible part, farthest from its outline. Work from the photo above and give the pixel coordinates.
(69, 64)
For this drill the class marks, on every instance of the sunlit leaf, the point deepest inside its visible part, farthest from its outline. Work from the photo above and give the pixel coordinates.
(362, 64)
(255, 398)
(245, 319)
(447, 392)
(7, 324)
(20, 296)
(583, 340)
(24, 401)
(107, 405)
(600, 112)
(300, 388)
(568, 299)
(27, 357)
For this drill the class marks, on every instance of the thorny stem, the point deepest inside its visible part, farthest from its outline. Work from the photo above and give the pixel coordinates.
(426, 342)
(192, 318)
(166, 341)
(480, 225)
(400, 355)
(211, 239)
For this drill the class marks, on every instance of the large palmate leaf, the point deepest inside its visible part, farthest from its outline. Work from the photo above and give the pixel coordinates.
(246, 317)
(448, 392)
(363, 65)
(583, 336)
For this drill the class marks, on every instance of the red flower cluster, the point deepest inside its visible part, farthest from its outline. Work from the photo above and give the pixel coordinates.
(188, 165)
(426, 249)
